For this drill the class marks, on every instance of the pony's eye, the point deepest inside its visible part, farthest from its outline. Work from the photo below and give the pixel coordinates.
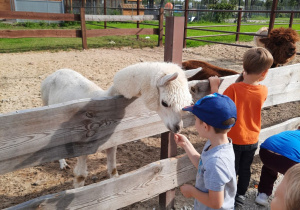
(164, 104)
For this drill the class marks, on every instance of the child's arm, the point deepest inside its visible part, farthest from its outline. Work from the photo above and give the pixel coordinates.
(212, 199)
(190, 150)
(214, 84)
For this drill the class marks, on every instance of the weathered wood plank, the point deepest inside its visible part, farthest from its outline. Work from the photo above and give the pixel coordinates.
(76, 33)
(115, 193)
(135, 186)
(68, 33)
(120, 17)
(121, 32)
(283, 85)
(39, 16)
(44, 134)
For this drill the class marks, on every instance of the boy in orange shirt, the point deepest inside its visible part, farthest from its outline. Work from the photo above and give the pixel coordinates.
(248, 96)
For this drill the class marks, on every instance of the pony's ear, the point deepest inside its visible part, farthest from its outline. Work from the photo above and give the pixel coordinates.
(167, 78)
(192, 72)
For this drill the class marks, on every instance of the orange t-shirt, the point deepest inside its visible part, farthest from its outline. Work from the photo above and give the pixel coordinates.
(249, 100)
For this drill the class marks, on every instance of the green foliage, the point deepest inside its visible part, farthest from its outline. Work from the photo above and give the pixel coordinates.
(114, 12)
(221, 16)
(43, 24)
(69, 23)
(29, 24)
(269, 4)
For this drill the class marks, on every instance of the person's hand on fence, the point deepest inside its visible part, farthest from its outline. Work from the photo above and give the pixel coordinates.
(214, 82)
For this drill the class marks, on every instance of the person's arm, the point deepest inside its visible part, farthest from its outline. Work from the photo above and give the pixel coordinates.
(190, 150)
(214, 84)
(212, 199)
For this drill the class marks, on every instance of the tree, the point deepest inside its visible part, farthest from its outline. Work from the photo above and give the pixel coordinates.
(234, 2)
(221, 16)
(268, 6)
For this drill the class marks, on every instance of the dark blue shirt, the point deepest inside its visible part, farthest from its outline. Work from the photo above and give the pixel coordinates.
(286, 143)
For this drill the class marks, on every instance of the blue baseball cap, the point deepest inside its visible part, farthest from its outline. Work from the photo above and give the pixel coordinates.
(214, 109)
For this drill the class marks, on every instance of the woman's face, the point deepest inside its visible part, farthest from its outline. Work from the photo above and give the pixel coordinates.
(278, 202)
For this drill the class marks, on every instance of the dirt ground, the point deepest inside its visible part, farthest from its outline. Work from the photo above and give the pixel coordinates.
(20, 78)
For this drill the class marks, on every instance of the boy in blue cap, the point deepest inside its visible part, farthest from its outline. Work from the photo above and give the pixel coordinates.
(215, 186)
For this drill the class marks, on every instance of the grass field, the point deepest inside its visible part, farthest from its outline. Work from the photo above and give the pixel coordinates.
(55, 44)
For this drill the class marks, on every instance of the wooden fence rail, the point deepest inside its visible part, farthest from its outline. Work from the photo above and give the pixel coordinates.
(139, 185)
(35, 136)
(83, 32)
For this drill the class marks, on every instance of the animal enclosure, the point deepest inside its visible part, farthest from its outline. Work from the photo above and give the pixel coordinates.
(35, 136)
(83, 33)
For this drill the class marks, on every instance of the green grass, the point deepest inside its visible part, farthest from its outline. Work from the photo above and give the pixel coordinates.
(55, 44)
(230, 38)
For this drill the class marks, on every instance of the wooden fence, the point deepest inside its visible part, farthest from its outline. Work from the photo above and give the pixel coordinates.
(35, 136)
(83, 32)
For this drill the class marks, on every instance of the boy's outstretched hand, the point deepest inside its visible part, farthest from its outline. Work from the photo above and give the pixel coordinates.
(187, 190)
(180, 140)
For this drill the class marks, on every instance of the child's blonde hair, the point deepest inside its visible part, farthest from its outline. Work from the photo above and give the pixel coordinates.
(257, 60)
(292, 195)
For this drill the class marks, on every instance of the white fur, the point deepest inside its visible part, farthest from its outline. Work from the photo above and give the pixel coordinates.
(66, 85)
(156, 83)
(256, 39)
(153, 82)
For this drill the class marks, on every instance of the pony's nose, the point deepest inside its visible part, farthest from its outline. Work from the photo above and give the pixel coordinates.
(177, 128)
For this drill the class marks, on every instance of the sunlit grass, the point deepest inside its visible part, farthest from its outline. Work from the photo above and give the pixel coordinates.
(53, 44)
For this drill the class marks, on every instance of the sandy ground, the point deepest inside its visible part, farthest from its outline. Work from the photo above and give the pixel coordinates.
(20, 78)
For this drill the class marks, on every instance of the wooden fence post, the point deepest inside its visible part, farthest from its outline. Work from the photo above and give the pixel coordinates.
(173, 39)
(138, 13)
(186, 16)
(66, 6)
(172, 53)
(238, 27)
(272, 16)
(291, 20)
(104, 12)
(83, 28)
(161, 27)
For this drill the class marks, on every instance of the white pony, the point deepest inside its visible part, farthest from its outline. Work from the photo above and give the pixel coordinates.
(163, 88)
